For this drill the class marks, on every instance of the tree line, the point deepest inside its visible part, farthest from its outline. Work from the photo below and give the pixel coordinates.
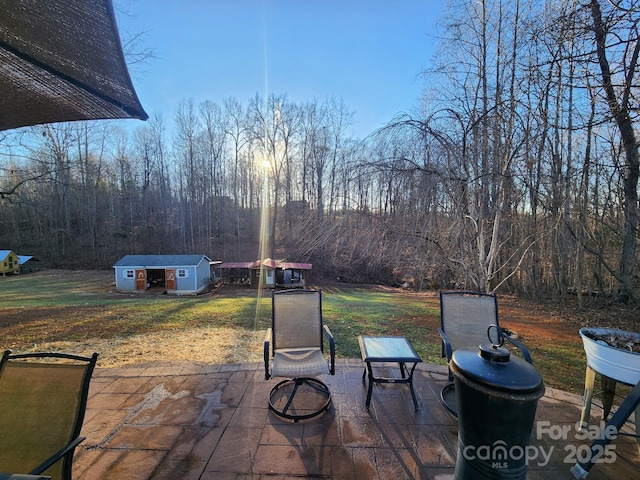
(517, 172)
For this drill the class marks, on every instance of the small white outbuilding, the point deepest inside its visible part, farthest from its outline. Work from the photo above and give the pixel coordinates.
(177, 274)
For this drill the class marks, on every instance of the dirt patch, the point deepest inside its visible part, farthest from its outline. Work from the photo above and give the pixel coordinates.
(543, 321)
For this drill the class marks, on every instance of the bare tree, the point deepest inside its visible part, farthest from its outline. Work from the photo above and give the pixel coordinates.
(618, 88)
(186, 150)
(214, 124)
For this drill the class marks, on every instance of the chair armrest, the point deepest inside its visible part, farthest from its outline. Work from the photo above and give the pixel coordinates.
(56, 456)
(447, 351)
(332, 349)
(525, 353)
(267, 342)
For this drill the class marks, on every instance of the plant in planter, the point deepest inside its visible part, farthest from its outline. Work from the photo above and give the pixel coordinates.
(613, 353)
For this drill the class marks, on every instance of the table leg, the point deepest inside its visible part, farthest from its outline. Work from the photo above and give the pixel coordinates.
(630, 404)
(370, 387)
(413, 393)
(608, 394)
(407, 377)
(589, 381)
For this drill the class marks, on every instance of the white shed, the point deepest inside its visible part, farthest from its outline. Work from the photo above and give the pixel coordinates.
(177, 274)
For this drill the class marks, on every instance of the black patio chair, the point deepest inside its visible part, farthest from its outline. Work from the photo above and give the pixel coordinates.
(295, 342)
(43, 398)
(465, 318)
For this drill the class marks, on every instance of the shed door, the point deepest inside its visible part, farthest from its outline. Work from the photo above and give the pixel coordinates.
(270, 280)
(170, 278)
(141, 279)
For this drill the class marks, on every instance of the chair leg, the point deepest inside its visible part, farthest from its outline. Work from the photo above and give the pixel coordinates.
(448, 390)
(296, 384)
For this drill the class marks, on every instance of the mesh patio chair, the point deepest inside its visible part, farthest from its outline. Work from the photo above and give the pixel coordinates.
(296, 344)
(43, 397)
(465, 318)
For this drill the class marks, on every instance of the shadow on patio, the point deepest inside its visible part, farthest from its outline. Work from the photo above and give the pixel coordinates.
(197, 421)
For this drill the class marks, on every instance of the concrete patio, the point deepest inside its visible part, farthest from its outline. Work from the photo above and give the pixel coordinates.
(198, 421)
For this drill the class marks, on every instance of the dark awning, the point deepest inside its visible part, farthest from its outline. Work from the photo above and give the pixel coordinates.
(62, 61)
(268, 262)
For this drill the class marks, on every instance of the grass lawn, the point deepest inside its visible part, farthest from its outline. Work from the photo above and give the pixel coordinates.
(81, 312)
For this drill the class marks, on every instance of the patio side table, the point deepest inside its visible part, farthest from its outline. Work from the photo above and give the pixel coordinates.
(389, 350)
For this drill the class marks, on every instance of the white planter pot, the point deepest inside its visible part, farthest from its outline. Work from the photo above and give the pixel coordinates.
(616, 363)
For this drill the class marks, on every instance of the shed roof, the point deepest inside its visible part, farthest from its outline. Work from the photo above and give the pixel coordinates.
(62, 61)
(294, 266)
(161, 261)
(268, 262)
(236, 264)
(4, 253)
(22, 259)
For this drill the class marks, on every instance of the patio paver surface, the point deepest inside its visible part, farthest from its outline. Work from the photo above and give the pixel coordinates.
(194, 421)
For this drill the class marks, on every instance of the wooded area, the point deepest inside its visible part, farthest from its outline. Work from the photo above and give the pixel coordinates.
(519, 174)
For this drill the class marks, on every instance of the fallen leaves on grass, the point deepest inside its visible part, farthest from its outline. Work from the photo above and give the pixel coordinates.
(215, 345)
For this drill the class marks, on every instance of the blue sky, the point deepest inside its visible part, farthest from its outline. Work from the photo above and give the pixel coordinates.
(368, 52)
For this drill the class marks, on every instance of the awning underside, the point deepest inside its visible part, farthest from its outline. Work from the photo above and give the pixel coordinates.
(62, 61)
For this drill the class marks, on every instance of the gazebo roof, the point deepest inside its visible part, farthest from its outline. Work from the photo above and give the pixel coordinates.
(62, 61)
